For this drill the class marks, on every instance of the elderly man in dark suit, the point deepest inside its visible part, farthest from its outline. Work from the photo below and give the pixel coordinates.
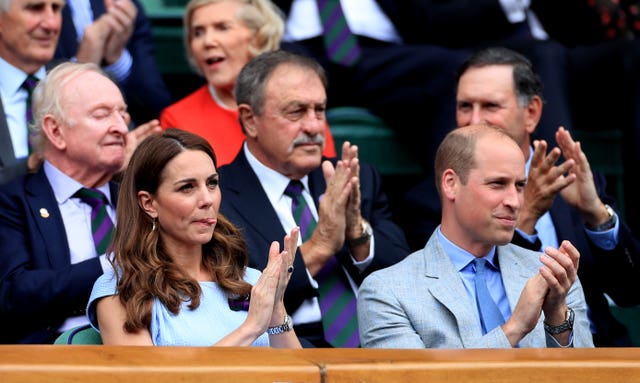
(55, 224)
(280, 180)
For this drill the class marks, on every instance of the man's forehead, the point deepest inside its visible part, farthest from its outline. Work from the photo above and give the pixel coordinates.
(35, 3)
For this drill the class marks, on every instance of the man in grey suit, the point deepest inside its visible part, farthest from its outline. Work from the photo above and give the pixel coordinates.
(438, 297)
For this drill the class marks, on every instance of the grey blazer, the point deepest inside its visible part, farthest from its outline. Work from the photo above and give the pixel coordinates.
(421, 302)
(10, 167)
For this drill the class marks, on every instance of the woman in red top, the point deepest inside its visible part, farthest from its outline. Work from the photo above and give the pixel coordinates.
(221, 37)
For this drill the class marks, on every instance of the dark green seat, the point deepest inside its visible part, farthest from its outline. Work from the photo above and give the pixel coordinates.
(630, 318)
(377, 143)
(84, 334)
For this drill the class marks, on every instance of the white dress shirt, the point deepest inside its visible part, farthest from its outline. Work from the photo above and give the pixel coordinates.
(76, 217)
(274, 184)
(14, 103)
(364, 17)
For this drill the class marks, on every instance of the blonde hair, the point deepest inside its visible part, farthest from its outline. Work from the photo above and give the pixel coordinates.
(260, 16)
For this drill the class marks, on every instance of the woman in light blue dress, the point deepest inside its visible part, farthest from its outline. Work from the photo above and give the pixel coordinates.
(181, 268)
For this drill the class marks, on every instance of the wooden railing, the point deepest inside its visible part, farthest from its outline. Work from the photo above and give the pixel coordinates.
(101, 364)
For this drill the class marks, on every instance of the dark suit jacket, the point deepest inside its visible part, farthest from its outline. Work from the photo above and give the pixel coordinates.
(145, 92)
(615, 273)
(39, 288)
(246, 204)
(10, 167)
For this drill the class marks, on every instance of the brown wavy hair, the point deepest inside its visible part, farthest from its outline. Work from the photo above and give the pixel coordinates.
(144, 269)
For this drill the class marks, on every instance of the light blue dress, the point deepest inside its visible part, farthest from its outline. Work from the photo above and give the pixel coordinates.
(204, 326)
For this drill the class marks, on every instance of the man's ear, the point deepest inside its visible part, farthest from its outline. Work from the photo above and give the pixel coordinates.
(54, 132)
(145, 200)
(534, 113)
(449, 182)
(248, 120)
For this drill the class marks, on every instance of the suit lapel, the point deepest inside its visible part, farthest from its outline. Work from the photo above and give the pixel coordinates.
(97, 6)
(68, 43)
(564, 225)
(249, 200)
(517, 274)
(449, 290)
(7, 155)
(44, 209)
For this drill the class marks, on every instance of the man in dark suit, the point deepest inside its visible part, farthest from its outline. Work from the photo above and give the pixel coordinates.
(565, 201)
(281, 100)
(48, 258)
(27, 42)
(116, 34)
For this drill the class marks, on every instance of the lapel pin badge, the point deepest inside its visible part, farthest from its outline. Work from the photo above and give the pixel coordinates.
(44, 213)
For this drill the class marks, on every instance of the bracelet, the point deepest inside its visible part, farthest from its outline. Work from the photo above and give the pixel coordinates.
(286, 326)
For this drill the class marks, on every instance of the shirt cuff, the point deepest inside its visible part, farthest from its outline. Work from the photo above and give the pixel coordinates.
(515, 10)
(362, 265)
(121, 69)
(608, 239)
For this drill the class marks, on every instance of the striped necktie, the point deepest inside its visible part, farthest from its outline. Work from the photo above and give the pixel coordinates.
(490, 316)
(340, 43)
(337, 299)
(29, 85)
(101, 224)
(301, 212)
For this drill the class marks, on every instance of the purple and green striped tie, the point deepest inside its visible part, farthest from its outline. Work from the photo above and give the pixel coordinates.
(101, 224)
(340, 43)
(29, 85)
(337, 299)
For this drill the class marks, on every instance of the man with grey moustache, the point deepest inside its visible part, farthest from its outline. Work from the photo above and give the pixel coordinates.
(280, 180)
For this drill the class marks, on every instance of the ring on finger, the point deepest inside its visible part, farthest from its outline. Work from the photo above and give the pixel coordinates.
(290, 269)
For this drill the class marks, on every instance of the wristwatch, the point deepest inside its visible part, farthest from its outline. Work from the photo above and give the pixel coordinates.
(609, 223)
(286, 326)
(367, 231)
(562, 327)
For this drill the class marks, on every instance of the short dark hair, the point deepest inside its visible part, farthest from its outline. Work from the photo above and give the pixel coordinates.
(526, 81)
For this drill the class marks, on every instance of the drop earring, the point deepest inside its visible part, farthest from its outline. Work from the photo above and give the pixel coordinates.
(153, 227)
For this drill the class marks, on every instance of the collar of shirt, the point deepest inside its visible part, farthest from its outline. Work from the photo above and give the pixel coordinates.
(462, 260)
(460, 257)
(64, 187)
(12, 78)
(273, 182)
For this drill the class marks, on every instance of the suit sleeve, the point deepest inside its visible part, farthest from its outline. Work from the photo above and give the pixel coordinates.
(33, 294)
(618, 270)
(382, 321)
(390, 243)
(13, 170)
